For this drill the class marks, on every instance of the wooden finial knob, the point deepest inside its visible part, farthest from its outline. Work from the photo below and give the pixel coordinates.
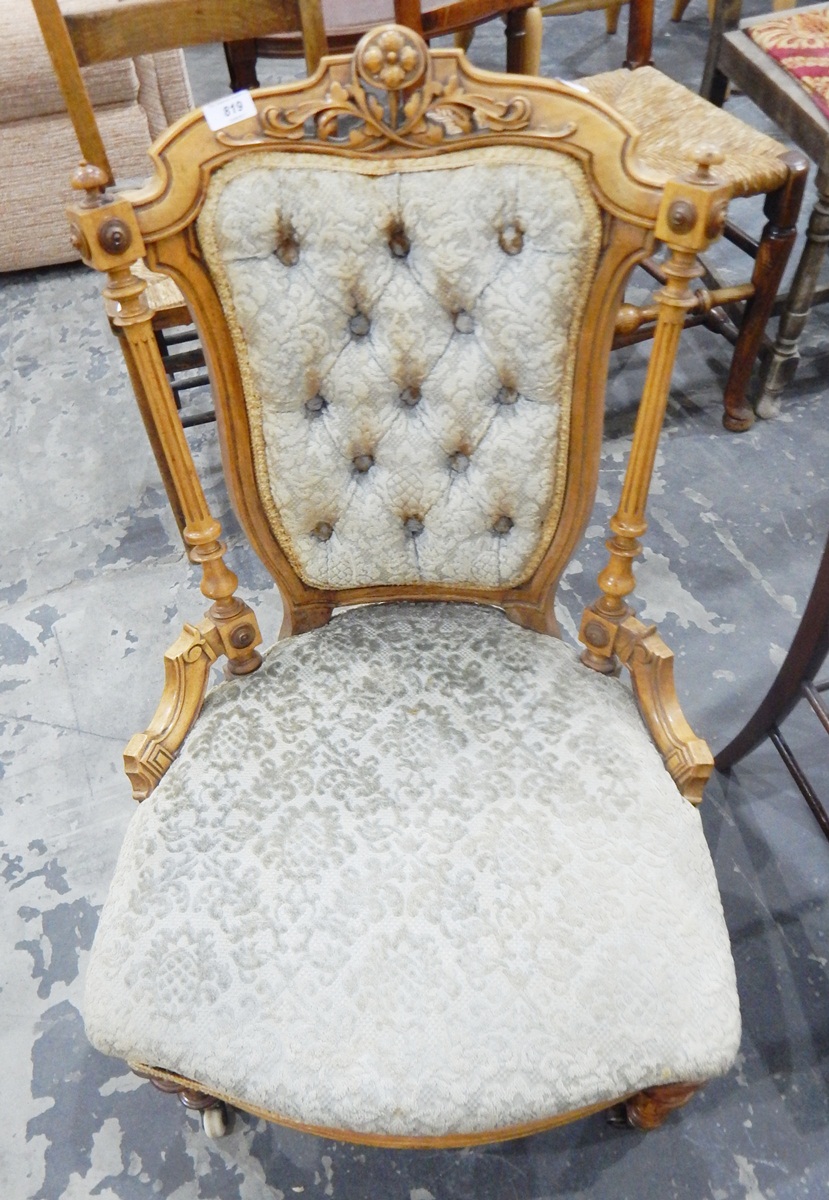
(92, 180)
(706, 156)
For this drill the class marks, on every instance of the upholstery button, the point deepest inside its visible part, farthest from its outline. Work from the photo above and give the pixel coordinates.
(399, 243)
(413, 526)
(506, 395)
(362, 463)
(315, 405)
(502, 525)
(459, 461)
(511, 239)
(464, 322)
(287, 245)
(359, 325)
(322, 531)
(410, 396)
(288, 252)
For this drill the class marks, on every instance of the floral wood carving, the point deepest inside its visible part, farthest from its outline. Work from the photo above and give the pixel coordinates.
(392, 97)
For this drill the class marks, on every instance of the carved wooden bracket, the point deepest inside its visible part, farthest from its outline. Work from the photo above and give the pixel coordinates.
(651, 664)
(187, 666)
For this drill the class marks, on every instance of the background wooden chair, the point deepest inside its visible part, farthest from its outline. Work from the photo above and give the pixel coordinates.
(737, 53)
(393, 889)
(674, 123)
(346, 21)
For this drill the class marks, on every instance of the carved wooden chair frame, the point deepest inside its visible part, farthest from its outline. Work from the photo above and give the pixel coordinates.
(440, 106)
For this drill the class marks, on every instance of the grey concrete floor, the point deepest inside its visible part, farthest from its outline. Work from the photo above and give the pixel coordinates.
(94, 587)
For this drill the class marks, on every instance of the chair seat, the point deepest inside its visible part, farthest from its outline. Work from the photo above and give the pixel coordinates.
(430, 878)
(799, 42)
(673, 124)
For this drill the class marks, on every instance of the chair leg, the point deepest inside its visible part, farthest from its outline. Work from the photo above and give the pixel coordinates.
(533, 34)
(640, 35)
(778, 237)
(241, 64)
(611, 17)
(785, 354)
(516, 32)
(463, 38)
(650, 1108)
(150, 427)
(714, 84)
(679, 9)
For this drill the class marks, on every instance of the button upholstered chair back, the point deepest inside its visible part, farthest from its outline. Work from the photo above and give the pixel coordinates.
(406, 335)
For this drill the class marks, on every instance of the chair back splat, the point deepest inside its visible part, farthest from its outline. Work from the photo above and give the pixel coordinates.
(407, 274)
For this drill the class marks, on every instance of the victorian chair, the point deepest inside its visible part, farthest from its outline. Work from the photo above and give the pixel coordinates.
(418, 875)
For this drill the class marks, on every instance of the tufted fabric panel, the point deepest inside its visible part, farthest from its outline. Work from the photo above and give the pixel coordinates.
(423, 873)
(406, 333)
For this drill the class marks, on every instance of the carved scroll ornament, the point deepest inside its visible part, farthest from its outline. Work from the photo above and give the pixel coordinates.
(392, 98)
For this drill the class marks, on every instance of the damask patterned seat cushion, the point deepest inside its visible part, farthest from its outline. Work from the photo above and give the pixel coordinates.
(423, 873)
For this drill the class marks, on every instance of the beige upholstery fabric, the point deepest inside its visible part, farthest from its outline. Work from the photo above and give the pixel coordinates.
(406, 332)
(28, 87)
(163, 89)
(134, 102)
(41, 155)
(423, 873)
(674, 122)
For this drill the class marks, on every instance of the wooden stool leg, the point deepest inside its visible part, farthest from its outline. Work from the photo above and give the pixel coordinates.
(679, 9)
(778, 237)
(463, 38)
(533, 34)
(785, 355)
(611, 17)
(650, 1108)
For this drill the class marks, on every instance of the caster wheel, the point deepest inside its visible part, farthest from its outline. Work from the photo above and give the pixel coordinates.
(617, 1117)
(214, 1121)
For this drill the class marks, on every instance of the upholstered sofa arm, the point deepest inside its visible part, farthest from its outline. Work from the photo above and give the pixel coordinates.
(163, 88)
(134, 102)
